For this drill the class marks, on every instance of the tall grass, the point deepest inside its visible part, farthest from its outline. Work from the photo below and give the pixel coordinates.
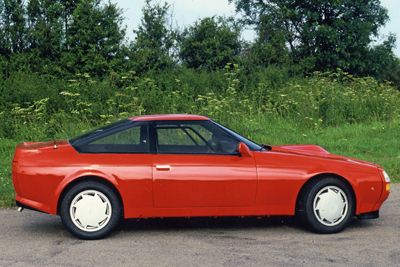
(327, 99)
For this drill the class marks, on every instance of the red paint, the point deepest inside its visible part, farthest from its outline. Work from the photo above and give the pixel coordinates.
(204, 181)
(251, 183)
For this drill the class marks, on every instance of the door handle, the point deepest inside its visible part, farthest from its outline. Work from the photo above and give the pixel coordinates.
(163, 167)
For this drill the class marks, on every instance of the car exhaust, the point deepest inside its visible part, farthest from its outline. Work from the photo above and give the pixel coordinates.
(20, 209)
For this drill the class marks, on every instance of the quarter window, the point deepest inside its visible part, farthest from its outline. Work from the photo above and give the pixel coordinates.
(130, 138)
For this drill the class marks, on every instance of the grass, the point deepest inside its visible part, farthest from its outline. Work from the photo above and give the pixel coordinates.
(6, 187)
(376, 142)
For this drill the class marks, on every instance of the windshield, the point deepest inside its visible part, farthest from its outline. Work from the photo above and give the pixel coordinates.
(252, 145)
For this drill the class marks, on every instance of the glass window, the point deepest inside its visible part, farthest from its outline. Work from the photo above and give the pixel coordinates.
(128, 136)
(252, 146)
(194, 137)
(99, 131)
(122, 138)
(179, 136)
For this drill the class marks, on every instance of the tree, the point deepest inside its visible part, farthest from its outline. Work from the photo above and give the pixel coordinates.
(95, 38)
(61, 36)
(269, 46)
(210, 43)
(69, 7)
(381, 60)
(393, 73)
(12, 27)
(45, 30)
(323, 34)
(154, 41)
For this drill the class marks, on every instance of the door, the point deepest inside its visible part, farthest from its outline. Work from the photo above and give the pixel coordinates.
(197, 165)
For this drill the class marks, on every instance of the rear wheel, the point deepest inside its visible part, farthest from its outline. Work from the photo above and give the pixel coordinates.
(90, 210)
(326, 205)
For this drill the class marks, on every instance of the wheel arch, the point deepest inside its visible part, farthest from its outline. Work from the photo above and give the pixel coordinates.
(93, 179)
(321, 176)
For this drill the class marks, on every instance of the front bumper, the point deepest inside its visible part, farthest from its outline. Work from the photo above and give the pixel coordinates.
(368, 215)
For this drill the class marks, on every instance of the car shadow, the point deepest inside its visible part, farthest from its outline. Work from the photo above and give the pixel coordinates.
(223, 223)
(198, 223)
(45, 224)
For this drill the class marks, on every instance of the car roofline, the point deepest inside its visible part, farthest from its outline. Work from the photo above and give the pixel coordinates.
(167, 117)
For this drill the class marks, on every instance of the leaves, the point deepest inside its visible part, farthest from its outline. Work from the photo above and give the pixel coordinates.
(319, 35)
(210, 43)
(78, 36)
(155, 39)
(61, 37)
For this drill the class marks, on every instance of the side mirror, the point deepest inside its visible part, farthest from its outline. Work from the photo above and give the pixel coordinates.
(244, 151)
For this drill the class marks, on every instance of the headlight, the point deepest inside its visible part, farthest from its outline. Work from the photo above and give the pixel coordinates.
(387, 179)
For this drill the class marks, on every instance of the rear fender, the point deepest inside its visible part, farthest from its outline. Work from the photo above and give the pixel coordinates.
(80, 174)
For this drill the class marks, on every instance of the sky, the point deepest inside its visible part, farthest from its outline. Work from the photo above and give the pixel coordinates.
(187, 11)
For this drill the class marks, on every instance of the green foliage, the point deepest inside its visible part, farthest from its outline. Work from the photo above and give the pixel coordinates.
(95, 38)
(323, 35)
(321, 100)
(12, 30)
(45, 30)
(393, 73)
(6, 186)
(153, 46)
(61, 37)
(270, 44)
(210, 43)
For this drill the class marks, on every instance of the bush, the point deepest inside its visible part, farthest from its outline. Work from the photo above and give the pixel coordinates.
(32, 101)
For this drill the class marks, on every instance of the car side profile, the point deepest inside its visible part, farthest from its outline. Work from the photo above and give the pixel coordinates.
(186, 166)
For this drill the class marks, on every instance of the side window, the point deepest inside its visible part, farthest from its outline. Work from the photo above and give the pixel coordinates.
(198, 137)
(179, 136)
(130, 136)
(224, 144)
(134, 139)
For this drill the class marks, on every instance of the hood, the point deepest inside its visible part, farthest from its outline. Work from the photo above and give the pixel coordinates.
(317, 151)
(302, 149)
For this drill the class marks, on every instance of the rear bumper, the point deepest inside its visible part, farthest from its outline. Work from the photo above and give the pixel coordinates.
(19, 204)
(32, 205)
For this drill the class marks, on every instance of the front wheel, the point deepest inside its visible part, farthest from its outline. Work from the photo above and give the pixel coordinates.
(326, 206)
(90, 210)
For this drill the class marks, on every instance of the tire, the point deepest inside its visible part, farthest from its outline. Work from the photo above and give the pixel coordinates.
(326, 206)
(90, 210)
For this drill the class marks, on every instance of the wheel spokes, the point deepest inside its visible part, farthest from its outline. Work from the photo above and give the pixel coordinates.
(90, 210)
(330, 205)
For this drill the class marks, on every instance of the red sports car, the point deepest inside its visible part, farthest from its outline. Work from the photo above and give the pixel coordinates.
(185, 166)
